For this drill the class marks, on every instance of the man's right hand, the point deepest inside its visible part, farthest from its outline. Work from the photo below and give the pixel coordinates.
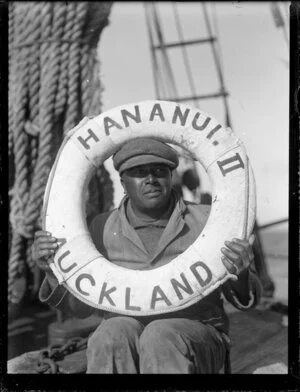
(43, 249)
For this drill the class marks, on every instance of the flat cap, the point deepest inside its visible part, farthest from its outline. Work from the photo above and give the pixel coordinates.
(141, 151)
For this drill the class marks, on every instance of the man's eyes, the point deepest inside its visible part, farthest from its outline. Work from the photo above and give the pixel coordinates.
(141, 172)
(160, 171)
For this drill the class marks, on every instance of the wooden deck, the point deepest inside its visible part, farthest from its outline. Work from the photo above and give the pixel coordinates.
(259, 342)
(259, 345)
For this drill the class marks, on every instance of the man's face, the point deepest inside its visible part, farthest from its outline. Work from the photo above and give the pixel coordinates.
(148, 186)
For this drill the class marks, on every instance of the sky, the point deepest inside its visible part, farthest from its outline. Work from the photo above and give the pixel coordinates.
(255, 59)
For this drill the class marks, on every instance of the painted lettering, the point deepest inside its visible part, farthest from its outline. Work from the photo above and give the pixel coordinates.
(200, 264)
(178, 114)
(106, 294)
(79, 280)
(60, 259)
(61, 242)
(212, 132)
(230, 164)
(157, 111)
(136, 117)
(162, 297)
(127, 301)
(84, 142)
(109, 123)
(186, 287)
(200, 127)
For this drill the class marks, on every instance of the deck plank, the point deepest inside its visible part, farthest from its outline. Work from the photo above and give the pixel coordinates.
(258, 340)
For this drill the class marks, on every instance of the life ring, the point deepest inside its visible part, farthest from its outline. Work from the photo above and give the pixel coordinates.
(193, 274)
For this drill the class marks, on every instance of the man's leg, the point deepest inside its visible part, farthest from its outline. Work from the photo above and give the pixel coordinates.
(113, 347)
(181, 346)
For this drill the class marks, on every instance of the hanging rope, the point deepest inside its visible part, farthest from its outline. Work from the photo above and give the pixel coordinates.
(31, 126)
(52, 60)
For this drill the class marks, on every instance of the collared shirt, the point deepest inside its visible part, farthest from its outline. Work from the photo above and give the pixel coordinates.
(120, 243)
(150, 230)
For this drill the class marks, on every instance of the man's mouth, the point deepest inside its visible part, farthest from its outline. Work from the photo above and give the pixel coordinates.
(153, 192)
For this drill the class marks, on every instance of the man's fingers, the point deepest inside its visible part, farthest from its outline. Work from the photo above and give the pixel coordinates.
(235, 246)
(230, 255)
(245, 243)
(45, 256)
(238, 252)
(42, 233)
(43, 249)
(243, 247)
(251, 239)
(240, 259)
(43, 236)
(46, 252)
(46, 240)
(47, 245)
(231, 267)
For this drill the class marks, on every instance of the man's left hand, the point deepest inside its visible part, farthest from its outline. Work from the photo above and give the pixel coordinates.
(239, 255)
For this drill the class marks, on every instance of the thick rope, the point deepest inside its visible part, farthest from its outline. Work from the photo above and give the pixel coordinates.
(86, 63)
(16, 267)
(61, 98)
(20, 140)
(51, 59)
(32, 126)
(73, 114)
(18, 86)
(49, 77)
(11, 76)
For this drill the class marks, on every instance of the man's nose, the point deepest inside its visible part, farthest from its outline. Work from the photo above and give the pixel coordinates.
(150, 177)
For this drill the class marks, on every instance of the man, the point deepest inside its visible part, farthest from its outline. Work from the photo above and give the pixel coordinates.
(151, 227)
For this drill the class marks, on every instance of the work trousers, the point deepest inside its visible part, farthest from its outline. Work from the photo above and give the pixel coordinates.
(174, 345)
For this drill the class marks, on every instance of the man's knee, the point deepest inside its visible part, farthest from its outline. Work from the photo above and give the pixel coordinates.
(158, 334)
(113, 347)
(115, 331)
(162, 349)
(171, 346)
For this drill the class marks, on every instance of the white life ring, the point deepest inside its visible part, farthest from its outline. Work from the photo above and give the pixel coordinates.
(190, 276)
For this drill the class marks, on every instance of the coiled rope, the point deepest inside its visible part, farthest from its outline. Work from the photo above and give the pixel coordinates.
(53, 69)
